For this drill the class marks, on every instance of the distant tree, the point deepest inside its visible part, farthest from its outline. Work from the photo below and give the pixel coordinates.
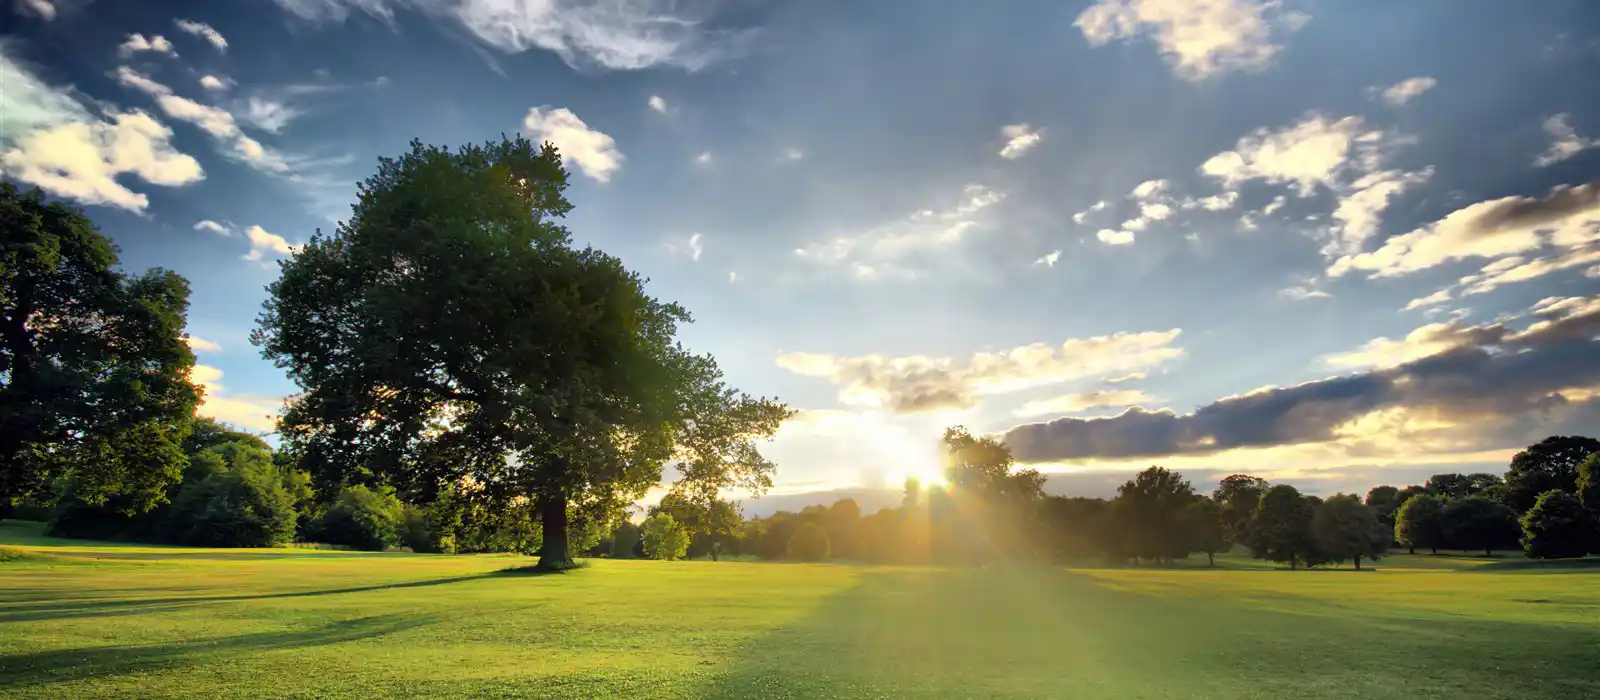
(663, 538)
(1589, 483)
(1558, 527)
(1384, 501)
(1347, 530)
(232, 509)
(624, 540)
(1550, 464)
(1449, 485)
(205, 433)
(809, 543)
(1238, 496)
(843, 524)
(714, 521)
(450, 330)
(1280, 528)
(995, 500)
(94, 364)
(1479, 482)
(1477, 522)
(1420, 523)
(1207, 532)
(363, 518)
(1073, 526)
(1152, 510)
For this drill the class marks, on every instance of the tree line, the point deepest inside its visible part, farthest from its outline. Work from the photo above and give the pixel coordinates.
(1545, 504)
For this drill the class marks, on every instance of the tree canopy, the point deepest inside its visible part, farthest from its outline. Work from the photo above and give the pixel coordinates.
(449, 334)
(1550, 464)
(94, 370)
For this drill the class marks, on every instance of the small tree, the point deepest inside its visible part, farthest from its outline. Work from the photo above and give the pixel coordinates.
(1347, 530)
(1589, 483)
(1420, 523)
(1238, 495)
(363, 518)
(808, 543)
(624, 540)
(1558, 527)
(663, 538)
(1476, 522)
(1207, 531)
(1280, 529)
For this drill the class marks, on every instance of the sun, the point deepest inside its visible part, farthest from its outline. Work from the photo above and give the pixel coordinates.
(927, 477)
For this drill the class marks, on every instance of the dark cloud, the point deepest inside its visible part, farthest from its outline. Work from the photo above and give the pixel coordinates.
(1496, 383)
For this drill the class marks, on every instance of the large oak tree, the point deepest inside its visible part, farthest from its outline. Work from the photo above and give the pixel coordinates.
(450, 336)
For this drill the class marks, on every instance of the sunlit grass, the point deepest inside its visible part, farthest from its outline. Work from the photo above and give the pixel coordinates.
(84, 620)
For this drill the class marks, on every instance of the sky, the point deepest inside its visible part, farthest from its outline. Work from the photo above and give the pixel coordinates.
(1337, 243)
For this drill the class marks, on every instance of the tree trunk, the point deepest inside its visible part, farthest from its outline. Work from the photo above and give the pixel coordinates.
(1294, 562)
(1436, 550)
(1487, 553)
(1411, 549)
(1358, 562)
(716, 550)
(1211, 559)
(553, 549)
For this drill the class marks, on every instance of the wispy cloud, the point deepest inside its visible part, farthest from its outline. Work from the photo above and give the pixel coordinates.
(264, 243)
(204, 31)
(212, 226)
(213, 120)
(1408, 89)
(138, 43)
(1564, 141)
(1019, 139)
(1201, 39)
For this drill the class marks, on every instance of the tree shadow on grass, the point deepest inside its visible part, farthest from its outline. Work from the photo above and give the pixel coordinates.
(68, 608)
(1021, 633)
(72, 664)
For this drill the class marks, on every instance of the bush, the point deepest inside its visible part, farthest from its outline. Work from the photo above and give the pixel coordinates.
(1558, 527)
(624, 540)
(663, 538)
(808, 543)
(232, 509)
(363, 518)
(418, 532)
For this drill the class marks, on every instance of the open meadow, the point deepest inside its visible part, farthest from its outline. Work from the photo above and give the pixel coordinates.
(90, 620)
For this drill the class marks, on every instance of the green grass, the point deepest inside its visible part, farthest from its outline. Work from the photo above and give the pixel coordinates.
(87, 620)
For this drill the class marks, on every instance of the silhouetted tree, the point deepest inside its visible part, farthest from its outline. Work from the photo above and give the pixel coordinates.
(809, 543)
(1207, 532)
(1384, 501)
(1558, 527)
(94, 364)
(1476, 522)
(1420, 523)
(1152, 511)
(1449, 485)
(1238, 496)
(1347, 530)
(1280, 528)
(1550, 464)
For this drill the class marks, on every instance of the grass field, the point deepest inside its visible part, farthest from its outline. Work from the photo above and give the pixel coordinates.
(88, 620)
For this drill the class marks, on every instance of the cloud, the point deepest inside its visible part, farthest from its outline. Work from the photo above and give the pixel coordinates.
(1342, 155)
(658, 103)
(919, 233)
(209, 225)
(1130, 377)
(1200, 38)
(1111, 237)
(204, 31)
(1084, 215)
(1480, 387)
(704, 158)
(793, 154)
(215, 121)
(1303, 292)
(1565, 141)
(1567, 217)
(594, 152)
(264, 243)
(1433, 299)
(610, 35)
(212, 82)
(918, 383)
(267, 113)
(1020, 138)
(1084, 401)
(199, 344)
(137, 43)
(50, 139)
(1049, 259)
(1427, 341)
(254, 412)
(691, 247)
(1405, 90)
(43, 9)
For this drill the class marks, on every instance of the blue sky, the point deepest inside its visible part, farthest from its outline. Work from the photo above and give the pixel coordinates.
(1336, 242)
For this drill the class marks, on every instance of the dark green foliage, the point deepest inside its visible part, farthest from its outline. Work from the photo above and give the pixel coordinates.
(206, 433)
(232, 509)
(1152, 513)
(1420, 523)
(1207, 531)
(1551, 464)
(1589, 483)
(101, 392)
(625, 541)
(808, 543)
(449, 330)
(1384, 501)
(1478, 522)
(1238, 495)
(1558, 527)
(663, 537)
(1345, 529)
(361, 517)
(1280, 528)
(710, 523)
(987, 511)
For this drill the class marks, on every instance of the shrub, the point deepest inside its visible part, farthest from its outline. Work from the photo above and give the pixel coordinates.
(624, 540)
(419, 533)
(1557, 527)
(663, 538)
(232, 509)
(808, 543)
(361, 517)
